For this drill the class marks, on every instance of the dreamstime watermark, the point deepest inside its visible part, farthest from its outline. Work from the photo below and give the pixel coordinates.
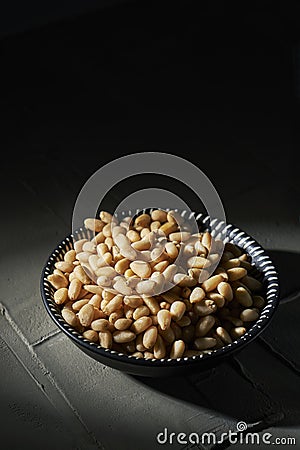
(111, 174)
(239, 436)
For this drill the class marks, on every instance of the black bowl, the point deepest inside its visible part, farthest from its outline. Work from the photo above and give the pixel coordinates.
(263, 269)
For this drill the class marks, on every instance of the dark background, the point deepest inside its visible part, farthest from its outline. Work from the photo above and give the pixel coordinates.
(215, 82)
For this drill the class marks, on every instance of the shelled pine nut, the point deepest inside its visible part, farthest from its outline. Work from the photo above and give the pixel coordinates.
(110, 287)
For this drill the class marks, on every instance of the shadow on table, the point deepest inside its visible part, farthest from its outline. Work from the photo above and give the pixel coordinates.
(287, 265)
(255, 384)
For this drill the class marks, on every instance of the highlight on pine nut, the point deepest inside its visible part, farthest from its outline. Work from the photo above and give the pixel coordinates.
(110, 288)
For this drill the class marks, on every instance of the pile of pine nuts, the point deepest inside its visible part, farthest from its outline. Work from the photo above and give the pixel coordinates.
(110, 297)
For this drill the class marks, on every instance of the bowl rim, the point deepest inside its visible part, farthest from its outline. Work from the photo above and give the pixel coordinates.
(232, 234)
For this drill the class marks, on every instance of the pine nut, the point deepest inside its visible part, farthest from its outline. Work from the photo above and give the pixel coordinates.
(238, 332)
(175, 217)
(243, 297)
(167, 334)
(121, 286)
(91, 335)
(99, 238)
(152, 304)
(161, 266)
(183, 280)
(141, 268)
(106, 272)
(159, 215)
(197, 295)
(81, 275)
(144, 232)
(129, 273)
(98, 314)
(154, 320)
(64, 266)
(185, 321)
(205, 307)
(155, 225)
(139, 343)
(133, 236)
(128, 312)
(86, 315)
(114, 316)
(106, 216)
(141, 324)
(249, 315)
(114, 304)
(177, 310)
(204, 325)
(138, 355)
(179, 236)
(93, 224)
(122, 265)
(168, 228)
(74, 289)
(177, 330)
(143, 244)
(70, 256)
(70, 317)
(123, 336)
(122, 324)
(211, 283)
(105, 339)
(158, 255)
(126, 250)
(94, 289)
(224, 335)
(57, 281)
(171, 250)
(164, 319)
(61, 296)
(79, 304)
(100, 325)
(198, 262)
(141, 311)
(204, 343)
(231, 263)
(104, 281)
(236, 273)
(149, 337)
(221, 271)
(133, 301)
(159, 348)
(225, 290)
(177, 349)
(89, 247)
(218, 299)
(200, 249)
(169, 297)
(78, 245)
(206, 240)
(142, 221)
(145, 287)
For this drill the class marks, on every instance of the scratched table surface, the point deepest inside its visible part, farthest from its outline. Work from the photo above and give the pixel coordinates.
(77, 93)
